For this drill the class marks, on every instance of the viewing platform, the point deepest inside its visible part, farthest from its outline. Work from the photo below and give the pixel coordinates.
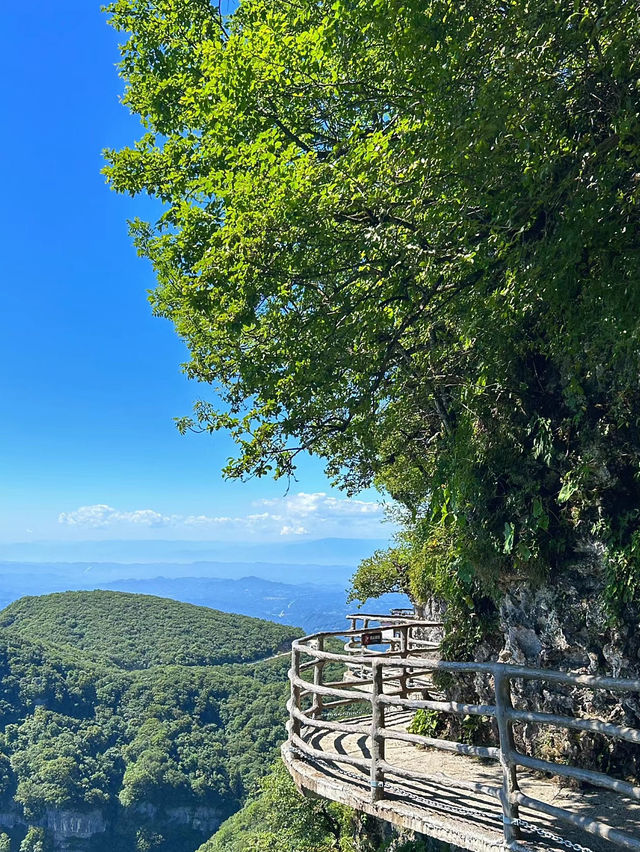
(350, 708)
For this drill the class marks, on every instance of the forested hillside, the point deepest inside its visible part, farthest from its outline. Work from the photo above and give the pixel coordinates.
(137, 631)
(147, 755)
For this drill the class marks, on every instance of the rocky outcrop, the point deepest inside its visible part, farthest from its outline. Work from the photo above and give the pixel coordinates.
(564, 624)
(66, 827)
(10, 819)
(204, 819)
(200, 818)
(85, 831)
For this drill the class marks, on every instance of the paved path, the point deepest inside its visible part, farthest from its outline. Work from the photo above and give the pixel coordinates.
(426, 806)
(278, 656)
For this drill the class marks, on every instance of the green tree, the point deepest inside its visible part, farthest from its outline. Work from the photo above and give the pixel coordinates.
(281, 820)
(147, 840)
(405, 237)
(35, 841)
(5, 842)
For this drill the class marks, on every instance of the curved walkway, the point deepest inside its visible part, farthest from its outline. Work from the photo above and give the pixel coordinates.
(444, 807)
(474, 798)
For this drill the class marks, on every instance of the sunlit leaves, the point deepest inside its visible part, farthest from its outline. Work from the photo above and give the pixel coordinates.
(404, 236)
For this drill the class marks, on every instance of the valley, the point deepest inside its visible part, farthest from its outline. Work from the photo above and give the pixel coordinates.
(132, 722)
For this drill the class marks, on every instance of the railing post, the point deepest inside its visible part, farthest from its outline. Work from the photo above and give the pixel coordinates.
(294, 723)
(404, 650)
(352, 647)
(316, 707)
(502, 684)
(377, 739)
(363, 668)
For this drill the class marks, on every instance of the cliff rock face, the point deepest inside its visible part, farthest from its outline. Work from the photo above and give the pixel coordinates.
(564, 624)
(68, 827)
(201, 818)
(87, 831)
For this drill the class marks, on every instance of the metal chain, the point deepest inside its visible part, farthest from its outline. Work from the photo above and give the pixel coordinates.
(457, 810)
(407, 794)
(550, 835)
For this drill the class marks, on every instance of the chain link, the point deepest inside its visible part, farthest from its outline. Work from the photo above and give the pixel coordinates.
(444, 807)
(550, 835)
(430, 804)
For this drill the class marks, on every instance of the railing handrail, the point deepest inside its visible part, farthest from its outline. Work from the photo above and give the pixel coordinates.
(379, 616)
(411, 666)
(328, 634)
(613, 684)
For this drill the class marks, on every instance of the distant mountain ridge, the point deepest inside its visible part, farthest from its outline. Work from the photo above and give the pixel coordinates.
(311, 605)
(327, 551)
(95, 571)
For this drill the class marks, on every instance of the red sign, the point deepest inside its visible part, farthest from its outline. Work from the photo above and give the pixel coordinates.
(373, 637)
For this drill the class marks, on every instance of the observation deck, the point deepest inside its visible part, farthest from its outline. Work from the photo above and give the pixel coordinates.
(354, 693)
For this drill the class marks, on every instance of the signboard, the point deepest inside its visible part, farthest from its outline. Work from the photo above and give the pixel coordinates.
(371, 637)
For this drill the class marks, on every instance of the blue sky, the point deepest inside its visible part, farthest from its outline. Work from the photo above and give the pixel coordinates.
(90, 381)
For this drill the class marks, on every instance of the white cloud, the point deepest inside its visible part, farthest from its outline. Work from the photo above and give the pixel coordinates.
(321, 504)
(286, 530)
(317, 514)
(101, 515)
(205, 520)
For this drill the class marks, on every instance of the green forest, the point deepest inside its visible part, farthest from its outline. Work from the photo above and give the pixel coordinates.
(97, 721)
(135, 631)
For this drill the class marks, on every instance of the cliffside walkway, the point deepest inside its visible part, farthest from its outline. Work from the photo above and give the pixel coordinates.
(348, 742)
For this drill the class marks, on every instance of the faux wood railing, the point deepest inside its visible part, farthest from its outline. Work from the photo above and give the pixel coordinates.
(402, 668)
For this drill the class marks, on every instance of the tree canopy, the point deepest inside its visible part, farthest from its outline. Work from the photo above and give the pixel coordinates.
(280, 819)
(105, 727)
(403, 235)
(136, 631)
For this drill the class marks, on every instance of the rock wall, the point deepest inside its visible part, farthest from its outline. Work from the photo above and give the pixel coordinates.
(564, 624)
(67, 827)
(90, 831)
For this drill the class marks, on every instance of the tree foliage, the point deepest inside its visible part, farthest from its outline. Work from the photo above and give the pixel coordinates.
(281, 820)
(36, 840)
(79, 733)
(404, 236)
(136, 631)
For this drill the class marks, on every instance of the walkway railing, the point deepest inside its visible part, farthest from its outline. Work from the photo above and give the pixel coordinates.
(399, 631)
(393, 678)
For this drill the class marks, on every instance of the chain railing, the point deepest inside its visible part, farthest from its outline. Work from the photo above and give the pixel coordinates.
(389, 680)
